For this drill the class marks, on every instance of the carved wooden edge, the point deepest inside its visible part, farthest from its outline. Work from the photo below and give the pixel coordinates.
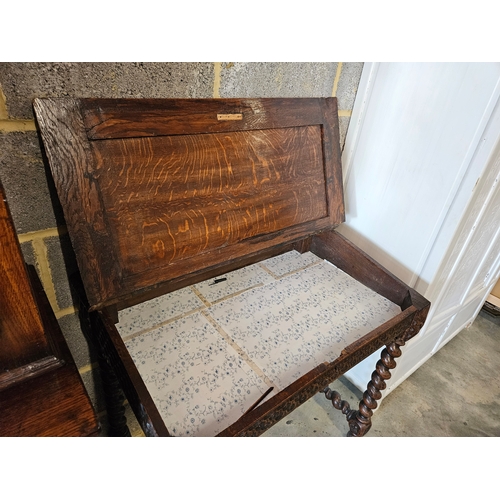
(360, 421)
(276, 408)
(31, 370)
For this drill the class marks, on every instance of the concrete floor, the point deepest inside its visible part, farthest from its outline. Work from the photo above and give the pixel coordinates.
(455, 393)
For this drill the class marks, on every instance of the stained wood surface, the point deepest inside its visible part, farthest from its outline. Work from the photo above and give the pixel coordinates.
(342, 253)
(22, 337)
(41, 392)
(54, 404)
(154, 190)
(119, 118)
(172, 198)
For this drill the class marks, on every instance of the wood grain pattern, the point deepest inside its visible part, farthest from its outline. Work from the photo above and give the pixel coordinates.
(50, 402)
(332, 154)
(119, 118)
(189, 191)
(172, 198)
(72, 165)
(22, 337)
(55, 404)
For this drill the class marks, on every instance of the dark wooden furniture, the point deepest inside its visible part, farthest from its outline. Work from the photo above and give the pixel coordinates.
(164, 193)
(41, 392)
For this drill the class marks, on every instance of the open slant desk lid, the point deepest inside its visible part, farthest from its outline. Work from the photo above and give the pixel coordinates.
(155, 189)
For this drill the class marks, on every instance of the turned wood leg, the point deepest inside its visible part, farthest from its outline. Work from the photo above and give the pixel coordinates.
(114, 398)
(113, 394)
(360, 421)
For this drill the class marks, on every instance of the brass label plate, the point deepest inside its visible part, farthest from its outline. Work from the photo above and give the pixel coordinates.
(233, 116)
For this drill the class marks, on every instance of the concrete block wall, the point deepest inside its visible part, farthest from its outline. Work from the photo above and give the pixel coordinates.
(26, 179)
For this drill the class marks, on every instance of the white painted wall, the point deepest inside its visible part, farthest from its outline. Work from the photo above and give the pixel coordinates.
(421, 167)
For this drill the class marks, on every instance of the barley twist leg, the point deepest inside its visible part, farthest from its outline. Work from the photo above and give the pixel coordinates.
(338, 403)
(360, 421)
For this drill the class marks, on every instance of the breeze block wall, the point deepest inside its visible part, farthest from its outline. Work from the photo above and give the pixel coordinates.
(27, 180)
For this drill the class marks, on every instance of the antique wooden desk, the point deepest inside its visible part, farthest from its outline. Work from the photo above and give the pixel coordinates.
(215, 283)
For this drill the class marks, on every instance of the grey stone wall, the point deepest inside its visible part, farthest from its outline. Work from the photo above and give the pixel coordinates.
(28, 185)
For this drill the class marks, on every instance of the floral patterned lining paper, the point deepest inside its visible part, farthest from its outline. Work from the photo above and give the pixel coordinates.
(208, 352)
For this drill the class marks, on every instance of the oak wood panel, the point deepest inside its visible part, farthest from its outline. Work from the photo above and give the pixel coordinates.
(22, 338)
(272, 178)
(119, 118)
(172, 198)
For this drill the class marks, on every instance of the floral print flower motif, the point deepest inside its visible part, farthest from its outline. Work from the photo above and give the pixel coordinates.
(206, 368)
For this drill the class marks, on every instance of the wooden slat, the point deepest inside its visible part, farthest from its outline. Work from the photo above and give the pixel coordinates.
(332, 162)
(346, 256)
(120, 118)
